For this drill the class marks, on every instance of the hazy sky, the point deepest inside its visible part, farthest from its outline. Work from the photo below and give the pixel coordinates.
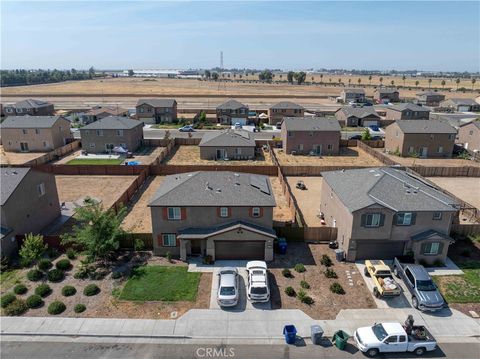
(289, 35)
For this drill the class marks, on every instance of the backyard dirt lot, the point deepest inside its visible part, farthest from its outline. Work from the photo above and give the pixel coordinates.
(349, 156)
(430, 162)
(465, 188)
(281, 212)
(326, 304)
(17, 158)
(144, 155)
(309, 199)
(190, 155)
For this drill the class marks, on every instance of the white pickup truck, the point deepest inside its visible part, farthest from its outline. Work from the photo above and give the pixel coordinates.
(392, 338)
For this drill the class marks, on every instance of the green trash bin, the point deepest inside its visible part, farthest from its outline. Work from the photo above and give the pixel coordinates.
(340, 339)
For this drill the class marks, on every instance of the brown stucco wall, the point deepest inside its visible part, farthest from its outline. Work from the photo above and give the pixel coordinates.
(276, 115)
(469, 136)
(309, 139)
(209, 153)
(132, 138)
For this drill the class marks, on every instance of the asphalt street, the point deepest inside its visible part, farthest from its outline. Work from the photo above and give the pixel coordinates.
(58, 350)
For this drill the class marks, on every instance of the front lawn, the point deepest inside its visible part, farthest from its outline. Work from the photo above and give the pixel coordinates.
(160, 283)
(461, 288)
(95, 162)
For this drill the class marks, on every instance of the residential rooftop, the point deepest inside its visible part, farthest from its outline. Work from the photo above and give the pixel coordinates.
(29, 121)
(354, 90)
(113, 123)
(463, 101)
(359, 112)
(311, 124)
(408, 106)
(386, 90)
(236, 138)
(157, 102)
(10, 179)
(231, 105)
(31, 103)
(114, 111)
(425, 126)
(283, 105)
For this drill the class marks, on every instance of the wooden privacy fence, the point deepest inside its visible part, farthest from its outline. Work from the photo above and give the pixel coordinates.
(465, 229)
(378, 155)
(163, 170)
(93, 170)
(466, 171)
(313, 170)
(127, 241)
(354, 143)
(54, 155)
(309, 234)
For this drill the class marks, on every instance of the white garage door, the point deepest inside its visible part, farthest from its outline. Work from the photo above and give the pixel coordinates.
(242, 121)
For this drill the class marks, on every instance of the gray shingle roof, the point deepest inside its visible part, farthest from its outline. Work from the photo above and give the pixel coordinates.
(429, 93)
(157, 102)
(114, 111)
(354, 90)
(359, 112)
(386, 90)
(311, 124)
(10, 179)
(425, 126)
(286, 105)
(427, 234)
(462, 101)
(407, 106)
(30, 121)
(31, 103)
(209, 230)
(220, 188)
(231, 105)
(228, 138)
(475, 123)
(389, 187)
(113, 123)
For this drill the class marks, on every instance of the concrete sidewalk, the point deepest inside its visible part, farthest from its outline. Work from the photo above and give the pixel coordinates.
(218, 326)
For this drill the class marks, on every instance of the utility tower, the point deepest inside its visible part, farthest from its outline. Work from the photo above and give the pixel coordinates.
(221, 60)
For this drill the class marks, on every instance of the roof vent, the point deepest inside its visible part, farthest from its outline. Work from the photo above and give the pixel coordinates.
(237, 184)
(376, 175)
(371, 171)
(236, 175)
(207, 187)
(218, 190)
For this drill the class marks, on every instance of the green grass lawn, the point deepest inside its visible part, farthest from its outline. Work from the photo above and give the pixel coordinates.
(9, 278)
(461, 288)
(95, 162)
(167, 126)
(152, 283)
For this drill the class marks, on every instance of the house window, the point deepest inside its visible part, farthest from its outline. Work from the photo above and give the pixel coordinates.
(91, 145)
(174, 213)
(41, 189)
(100, 133)
(437, 216)
(9, 110)
(109, 146)
(432, 137)
(330, 147)
(45, 144)
(24, 131)
(290, 133)
(255, 211)
(167, 110)
(372, 220)
(440, 149)
(470, 133)
(452, 136)
(223, 212)
(396, 134)
(142, 110)
(431, 248)
(411, 149)
(119, 132)
(37, 131)
(300, 147)
(169, 240)
(311, 133)
(238, 151)
(404, 219)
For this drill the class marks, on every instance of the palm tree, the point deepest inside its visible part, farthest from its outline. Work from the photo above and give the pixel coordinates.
(473, 83)
(457, 81)
(416, 83)
(381, 80)
(429, 83)
(321, 78)
(392, 82)
(349, 81)
(370, 79)
(313, 79)
(330, 80)
(443, 83)
(339, 81)
(359, 81)
(404, 78)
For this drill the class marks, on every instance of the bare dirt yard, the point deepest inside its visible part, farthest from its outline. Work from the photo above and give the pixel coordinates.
(349, 156)
(309, 199)
(326, 304)
(190, 155)
(18, 158)
(430, 162)
(138, 219)
(465, 188)
(281, 212)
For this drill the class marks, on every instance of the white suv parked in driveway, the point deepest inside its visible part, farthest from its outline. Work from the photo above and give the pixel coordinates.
(227, 295)
(257, 289)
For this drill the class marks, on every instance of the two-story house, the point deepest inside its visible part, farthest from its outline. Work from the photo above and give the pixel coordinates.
(227, 145)
(423, 138)
(30, 107)
(461, 104)
(104, 135)
(353, 94)
(469, 136)
(385, 212)
(35, 133)
(156, 110)
(224, 215)
(231, 112)
(277, 112)
(406, 111)
(29, 203)
(357, 116)
(99, 112)
(383, 94)
(311, 135)
(429, 98)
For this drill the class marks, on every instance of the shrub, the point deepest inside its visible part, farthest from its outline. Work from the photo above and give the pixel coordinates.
(287, 273)
(465, 253)
(17, 307)
(326, 261)
(98, 275)
(45, 264)
(34, 301)
(336, 288)
(304, 284)
(290, 292)
(7, 299)
(168, 255)
(55, 275)
(43, 290)
(20, 289)
(71, 254)
(79, 308)
(83, 272)
(52, 253)
(56, 307)
(63, 264)
(307, 300)
(438, 263)
(300, 268)
(34, 275)
(138, 244)
(330, 273)
(207, 259)
(68, 291)
(91, 289)
(116, 275)
(301, 294)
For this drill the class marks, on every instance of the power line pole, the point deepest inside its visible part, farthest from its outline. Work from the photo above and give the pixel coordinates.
(221, 60)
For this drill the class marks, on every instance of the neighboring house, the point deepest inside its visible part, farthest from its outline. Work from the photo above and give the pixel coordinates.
(423, 138)
(224, 215)
(461, 104)
(277, 112)
(357, 116)
(30, 107)
(99, 112)
(103, 135)
(469, 136)
(384, 212)
(353, 94)
(229, 144)
(430, 98)
(35, 133)
(381, 95)
(307, 135)
(156, 110)
(231, 112)
(454, 119)
(29, 202)
(406, 111)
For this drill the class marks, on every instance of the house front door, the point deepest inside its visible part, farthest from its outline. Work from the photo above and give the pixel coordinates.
(221, 153)
(317, 149)
(196, 247)
(24, 147)
(423, 152)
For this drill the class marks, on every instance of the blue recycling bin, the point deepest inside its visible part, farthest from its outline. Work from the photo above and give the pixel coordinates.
(290, 333)
(282, 245)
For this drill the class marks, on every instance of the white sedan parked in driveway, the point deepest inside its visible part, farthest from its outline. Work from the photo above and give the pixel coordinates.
(257, 290)
(228, 294)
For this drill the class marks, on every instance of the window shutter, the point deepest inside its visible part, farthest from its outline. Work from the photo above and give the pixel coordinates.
(261, 211)
(219, 211)
(183, 213)
(165, 212)
(229, 211)
(159, 240)
(382, 220)
(440, 248)
(423, 248)
(395, 219)
(414, 218)
(364, 220)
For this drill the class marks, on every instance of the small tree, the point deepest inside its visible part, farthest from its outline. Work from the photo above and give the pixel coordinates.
(207, 74)
(290, 76)
(381, 80)
(300, 77)
(32, 249)
(429, 83)
(366, 135)
(473, 84)
(404, 78)
(99, 230)
(416, 83)
(215, 76)
(443, 83)
(370, 79)
(457, 81)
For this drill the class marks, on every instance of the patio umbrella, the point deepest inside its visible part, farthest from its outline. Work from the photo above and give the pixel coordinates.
(119, 149)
